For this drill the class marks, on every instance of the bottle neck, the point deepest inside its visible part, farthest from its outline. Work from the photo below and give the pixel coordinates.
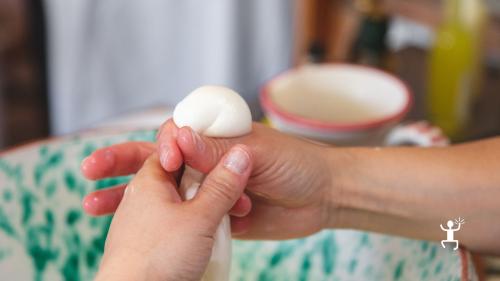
(463, 12)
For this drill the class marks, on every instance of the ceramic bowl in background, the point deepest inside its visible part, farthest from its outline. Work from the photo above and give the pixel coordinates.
(336, 103)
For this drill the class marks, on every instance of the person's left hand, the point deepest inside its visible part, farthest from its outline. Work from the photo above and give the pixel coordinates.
(155, 235)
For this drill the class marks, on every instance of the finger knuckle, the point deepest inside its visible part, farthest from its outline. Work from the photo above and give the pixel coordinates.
(220, 147)
(221, 188)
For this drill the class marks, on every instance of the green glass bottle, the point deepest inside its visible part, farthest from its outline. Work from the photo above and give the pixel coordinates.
(455, 66)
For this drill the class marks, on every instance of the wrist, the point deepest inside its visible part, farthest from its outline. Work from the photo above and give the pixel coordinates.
(341, 166)
(359, 194)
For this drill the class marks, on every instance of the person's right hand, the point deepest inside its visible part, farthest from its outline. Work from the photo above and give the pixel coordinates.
(290, 185)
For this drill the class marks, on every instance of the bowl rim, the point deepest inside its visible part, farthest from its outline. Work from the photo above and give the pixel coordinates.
(271, 108)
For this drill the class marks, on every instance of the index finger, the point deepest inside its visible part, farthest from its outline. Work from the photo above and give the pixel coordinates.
(116, 160)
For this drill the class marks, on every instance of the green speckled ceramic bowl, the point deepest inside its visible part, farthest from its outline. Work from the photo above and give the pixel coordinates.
(44, 235)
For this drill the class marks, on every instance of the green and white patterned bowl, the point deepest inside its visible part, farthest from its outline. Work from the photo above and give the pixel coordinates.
(44, 235)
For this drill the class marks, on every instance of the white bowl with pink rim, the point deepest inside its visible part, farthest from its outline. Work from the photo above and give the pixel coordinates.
(344, 104)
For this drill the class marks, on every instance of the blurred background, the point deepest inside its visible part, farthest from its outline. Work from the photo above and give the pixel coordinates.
(67, 65)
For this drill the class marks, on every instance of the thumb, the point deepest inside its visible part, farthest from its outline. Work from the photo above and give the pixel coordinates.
(225, 183)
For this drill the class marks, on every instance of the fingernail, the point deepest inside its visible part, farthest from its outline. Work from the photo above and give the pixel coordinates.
(164, 151)
(84, 165)
(237, 161)
(198, 142)
(89, 160)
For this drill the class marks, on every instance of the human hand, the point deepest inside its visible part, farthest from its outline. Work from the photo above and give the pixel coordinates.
(290, 186)
(155, 235)
(122, 160)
